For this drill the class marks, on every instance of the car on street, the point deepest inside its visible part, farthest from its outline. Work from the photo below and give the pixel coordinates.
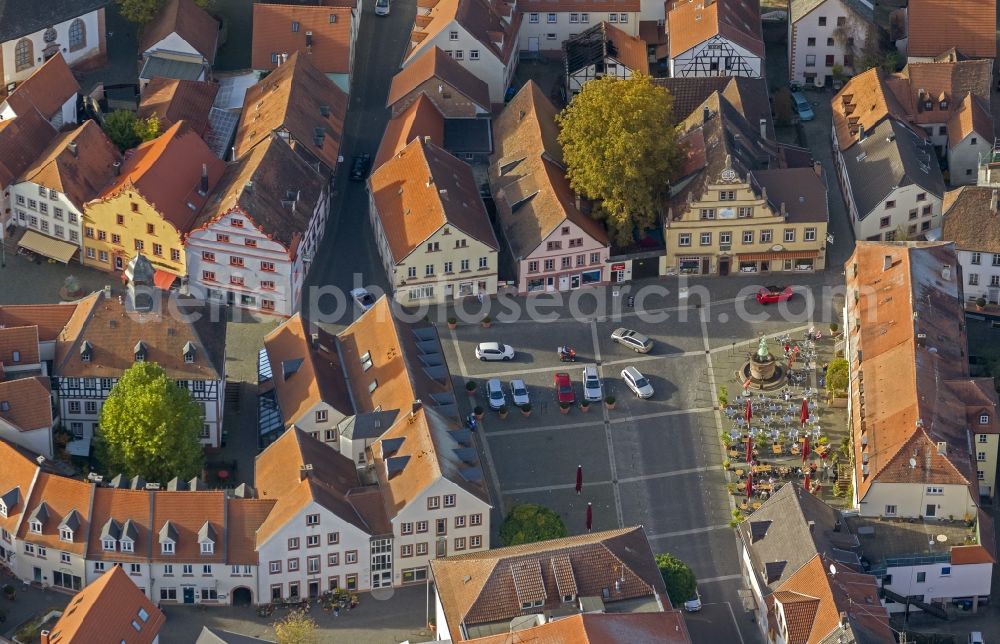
(363, 298)
(494, 351)
(519, 393)
(381, 7)
(359, 166)
(564, 388)
(693, 605)
(802, 106)
(632, 339)
(637, 382)
(592, 389)
(774, 294)
(494, 393)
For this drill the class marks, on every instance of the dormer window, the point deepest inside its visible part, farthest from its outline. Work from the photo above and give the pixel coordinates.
(984, 419)
(928, 105)
(65, 534)
(207, 538)
(127, 545)
(86, 351)
(207, 548)
(35, 526)
(108, 545)
(189, 352)
(15, 356)
(167, 547)
(140, 351)
(943, 105)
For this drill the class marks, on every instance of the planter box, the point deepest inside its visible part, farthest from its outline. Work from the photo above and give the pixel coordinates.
(837, 403)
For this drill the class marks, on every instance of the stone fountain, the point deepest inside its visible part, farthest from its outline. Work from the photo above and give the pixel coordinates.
(763, 370)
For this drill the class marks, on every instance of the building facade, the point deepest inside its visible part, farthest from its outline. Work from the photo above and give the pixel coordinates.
(717, 38)
(77, 30)
(602, 50)
(826, 35)
(970, 217)
(545, 26)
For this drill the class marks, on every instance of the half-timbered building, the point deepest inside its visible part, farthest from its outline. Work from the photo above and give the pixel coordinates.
(715, 38)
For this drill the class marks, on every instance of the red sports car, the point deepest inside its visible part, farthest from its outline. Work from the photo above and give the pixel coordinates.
(772, 294)
(564, 388)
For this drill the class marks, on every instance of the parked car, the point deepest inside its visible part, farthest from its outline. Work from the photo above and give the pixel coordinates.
(976, 637)
(592, 389)
(381, 7)
(519, 393)
(494, 392)
(693, 605)
(637, 382)
(564, 388)
(632, 339)
(494, 351)
(774, 294)
(359, 166)
(364, 299)
(802, 106)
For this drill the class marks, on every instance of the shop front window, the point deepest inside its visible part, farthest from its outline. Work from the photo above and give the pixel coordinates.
(537, 284)
(748, 267)
(690, 265)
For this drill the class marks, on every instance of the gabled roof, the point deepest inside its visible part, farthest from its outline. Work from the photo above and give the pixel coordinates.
(481, 587)
(274, 187)
(422, 189)
(77, 163)
(492, 22)
(46, 89)
(420, 120)
(121, 506)
(187, 20)
(24, 17)
(322, 33)
(22, 339)
(972, 218)
(862, 9)
(49, 319)
(749, 96)
(244, 517)
(298, 99)
(605, 41)
(172, 100)
(166, 172)
(110, 609)
(26, 403)
(434, 63)
(187, 513)
(971, 117)
(935, 26)
(601, 628)
(17, 475)
(692, 22)
(527, 175)
(317, 376)
(22, 141)
(60, 496)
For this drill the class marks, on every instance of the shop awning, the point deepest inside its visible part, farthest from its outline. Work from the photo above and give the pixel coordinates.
(784, 254)
(53, 248)
(163, 280)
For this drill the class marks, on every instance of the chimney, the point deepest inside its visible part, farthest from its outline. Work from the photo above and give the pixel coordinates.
(443, 192)
(763, 128)
(818, 169)
(44, 635)
(843, 619)
(706, 114)
(427, 139)
(116, 168)
(203, 188)
(886, 262)
(784, 213)
(416, 406)
(304, 471)
(861, 132)
(284, 59)
(71, 146)
(946, 273)
(927, 461)
(942, 447)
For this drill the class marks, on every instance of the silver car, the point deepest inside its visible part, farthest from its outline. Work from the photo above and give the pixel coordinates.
(494, 351)
(381, 7)
(637, 382)
(519, 393)
(632, 339)
(494, 392)
(592, 389)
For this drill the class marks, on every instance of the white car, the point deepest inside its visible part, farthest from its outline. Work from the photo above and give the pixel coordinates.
(693, 605)
(637, 382)
(381, 7)
(592, 389)
(364, 299)
(494, 392)
(494, 351)
(632, 339)
(519, 393)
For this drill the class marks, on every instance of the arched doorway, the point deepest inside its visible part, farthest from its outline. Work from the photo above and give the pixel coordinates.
(242, 596)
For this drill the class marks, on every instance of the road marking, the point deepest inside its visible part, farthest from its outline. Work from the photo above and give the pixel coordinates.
(518, 372)
(684, 533)
(458, 353)
(711, 580)
(493, 470)
(662, 414)
(607, 429)
(553, 488)
(650, 477)
(545, 428)
(647, 358)
(735, 623)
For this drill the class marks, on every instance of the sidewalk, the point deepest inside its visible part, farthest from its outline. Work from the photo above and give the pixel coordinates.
(38, 282)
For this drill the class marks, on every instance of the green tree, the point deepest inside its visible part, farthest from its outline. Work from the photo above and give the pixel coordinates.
(783, 107)
(620, 147)
(148, 128)
(528, 523)
(149, 427)
(120, 126)
(838, 374)
(142, 11)
(296, 628)
(678, 577)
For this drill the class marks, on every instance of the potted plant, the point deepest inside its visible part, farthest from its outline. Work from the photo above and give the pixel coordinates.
(452, 323)
(834, 327)
(726, 465)
(478, 411)
(470, 387)
(584, 405)
(487, 322)
(723, 396)
(8, 592)
(526, 409)
(609, 401)
(980, 303)
(502, 412)
(564, 407)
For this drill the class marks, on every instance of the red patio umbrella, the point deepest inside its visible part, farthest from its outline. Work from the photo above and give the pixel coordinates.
(806, 482)
(749, 484)
(590, 516)
(804, 413)
(805, 448)
(749, 449)
(579, 478)
(748, 412)
(791, 360)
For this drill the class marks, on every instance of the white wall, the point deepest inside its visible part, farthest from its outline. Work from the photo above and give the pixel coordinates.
(441, 624)
(36, 440)
(563, 28)
(808, 27)
(447, 286)
(488, 68)
(142, 579)
(963, 159)
(178, 47)
(307, 422)
(197, 580)
(70, 222)
(684, 64)
(963, 581)
(906, 200)
(986, 271)
(541, 253)
(612, 67)
(91, 48)
(50, 564)
(911, 500)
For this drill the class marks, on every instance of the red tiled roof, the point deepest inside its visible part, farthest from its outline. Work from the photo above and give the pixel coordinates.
(18, 473)
(61, 496)
(328, 28)
(692, 22)
(421, 119)
(187, 20)
(47, 89)
(434, 63)
(172, 100)
(20, 339)
(109, 609)
(601, 628)
(22, 140)
(243, 518)
(49, 318)
(935, 26)
(122, 505)
(187, 513)
(26, 403)
(484, 20)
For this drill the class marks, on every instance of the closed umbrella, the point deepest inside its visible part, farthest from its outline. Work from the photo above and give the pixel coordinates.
(804, 412)
(805, 448)
(806, 482)
(748, 412)
(579, 478)
(749, 449)
(590, 516)
(749, 484)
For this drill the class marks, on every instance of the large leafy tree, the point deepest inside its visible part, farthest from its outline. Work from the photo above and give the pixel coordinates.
(126, 130)
(150, 426)
(678, 578)
(296, 628)
(528, 523)
(620, 147)
(142, 11)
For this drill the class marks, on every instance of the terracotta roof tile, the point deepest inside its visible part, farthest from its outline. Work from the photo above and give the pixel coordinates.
(935, 26)
(22, 140)
(46, 89)
(20, 339)
(243, 518)
(167, 172)
(121, 506)
(602, 628)
(106, 611)
(971, 117)
(187, 512)
(972, 218)
(330, 28)
(61, 496)
(691, 22)
(172, 100)
(187, 20)
(18, 473)
(579, 5)
(478, 587)
(485, 20)
(26, 403)
(49, 318)
(299, 99)
(258, 185)
(421, 119)
(422, 189)
(79, 175)
(434, 63)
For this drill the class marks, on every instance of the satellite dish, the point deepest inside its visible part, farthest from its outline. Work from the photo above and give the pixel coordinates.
(913, 463)
(833, 569)
(942, 538)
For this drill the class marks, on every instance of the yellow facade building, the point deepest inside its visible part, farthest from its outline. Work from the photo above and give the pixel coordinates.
(150, 205)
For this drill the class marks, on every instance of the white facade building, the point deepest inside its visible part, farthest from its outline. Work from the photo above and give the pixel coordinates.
(545, 26)
(32, 33)
(715, 38)
(825, 33)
